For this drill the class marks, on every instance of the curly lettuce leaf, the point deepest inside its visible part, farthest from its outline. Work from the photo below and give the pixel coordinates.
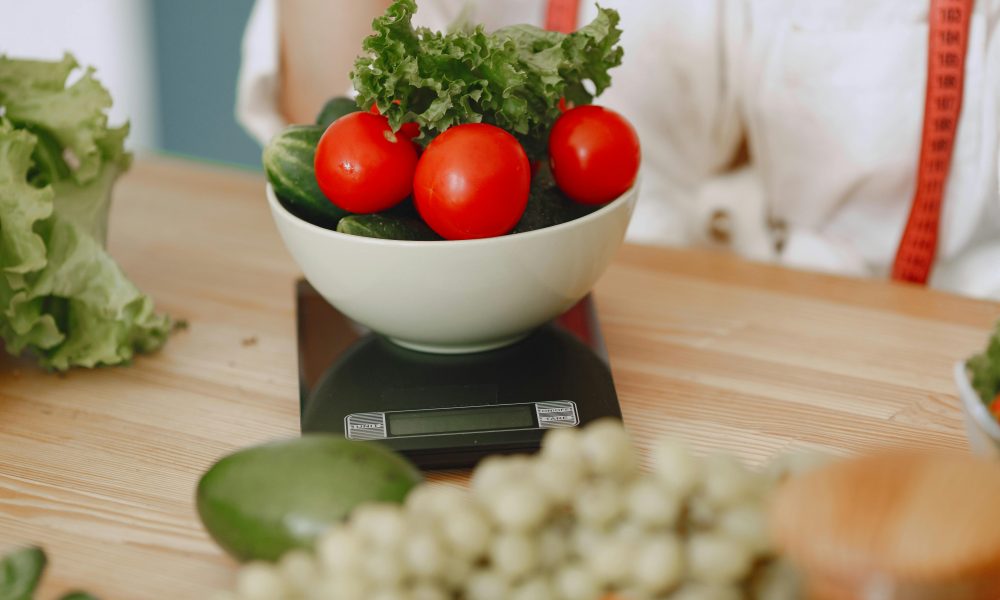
(512, 78)
(76, 116)
(21, 206)
(62, 297)
(984, 369)
(87, 205)
(22, 76)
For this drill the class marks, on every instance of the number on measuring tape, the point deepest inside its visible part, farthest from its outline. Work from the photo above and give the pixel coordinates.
(947, 43)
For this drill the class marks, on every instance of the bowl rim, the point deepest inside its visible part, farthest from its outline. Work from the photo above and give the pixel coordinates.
(973, 404)
(608, 208)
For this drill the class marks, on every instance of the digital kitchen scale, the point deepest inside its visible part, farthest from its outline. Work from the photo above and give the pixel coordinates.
(446, 411)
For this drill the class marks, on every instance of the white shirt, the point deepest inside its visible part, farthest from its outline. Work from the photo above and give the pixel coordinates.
(827, 98)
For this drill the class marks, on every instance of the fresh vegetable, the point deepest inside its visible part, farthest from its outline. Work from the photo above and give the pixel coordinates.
(579, 521)
(288, 161)
(260, 502)
(362, 166)
(433, 86)
(408, 130)
(594, 154)
(62, 297)
(472, 181)
(547, 205)
(984, 371)
(20, 573)
(334, 109)
(513, 78)
(387, 227)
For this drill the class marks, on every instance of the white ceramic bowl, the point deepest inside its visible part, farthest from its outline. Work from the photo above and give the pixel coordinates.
(457, 296)
(981, 427)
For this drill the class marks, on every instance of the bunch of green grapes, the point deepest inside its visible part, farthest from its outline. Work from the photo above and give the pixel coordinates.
(578, 521)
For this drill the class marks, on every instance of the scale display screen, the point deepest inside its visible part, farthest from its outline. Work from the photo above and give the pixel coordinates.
(461, 419)
(455, 420)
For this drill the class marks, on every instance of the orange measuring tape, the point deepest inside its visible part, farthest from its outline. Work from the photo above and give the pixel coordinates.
(947, 42)
(561, 15)
(948, 22)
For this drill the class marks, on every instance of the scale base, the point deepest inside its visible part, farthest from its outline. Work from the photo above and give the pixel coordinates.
(452, 402)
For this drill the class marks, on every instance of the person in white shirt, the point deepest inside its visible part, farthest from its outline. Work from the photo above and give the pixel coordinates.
(786, 131)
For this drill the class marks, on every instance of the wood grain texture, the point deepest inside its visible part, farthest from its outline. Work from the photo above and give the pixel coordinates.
(100, 466)
(917, 519)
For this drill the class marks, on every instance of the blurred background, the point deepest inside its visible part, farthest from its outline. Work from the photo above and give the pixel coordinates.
(157, 57)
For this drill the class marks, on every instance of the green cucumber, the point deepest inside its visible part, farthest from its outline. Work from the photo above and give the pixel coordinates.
(387, 227)
(288, 162)
(336, 108)
(260, 502)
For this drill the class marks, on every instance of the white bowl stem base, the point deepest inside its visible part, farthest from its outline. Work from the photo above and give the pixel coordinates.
(460, 349)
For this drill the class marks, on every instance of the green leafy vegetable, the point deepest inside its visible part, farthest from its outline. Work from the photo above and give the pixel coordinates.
(512, 78)
(62, 296)
(34, 92)
(20, 572)
(984, 369)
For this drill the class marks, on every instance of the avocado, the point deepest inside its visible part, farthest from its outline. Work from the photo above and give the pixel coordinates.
(262, 501)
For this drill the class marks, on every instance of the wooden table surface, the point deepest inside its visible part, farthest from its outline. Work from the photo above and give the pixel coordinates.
(100, 466)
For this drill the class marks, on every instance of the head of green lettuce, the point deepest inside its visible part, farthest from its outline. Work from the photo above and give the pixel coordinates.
(62, 297)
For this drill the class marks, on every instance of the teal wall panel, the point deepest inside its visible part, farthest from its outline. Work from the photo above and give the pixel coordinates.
(197, 56)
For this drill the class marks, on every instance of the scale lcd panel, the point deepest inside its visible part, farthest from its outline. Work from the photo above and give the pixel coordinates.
(461, 420)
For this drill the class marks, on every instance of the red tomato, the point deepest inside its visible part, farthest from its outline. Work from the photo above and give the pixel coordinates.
(995, 407)
(408, 130)
(361, 166)
(472, 182)
(594, 154)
